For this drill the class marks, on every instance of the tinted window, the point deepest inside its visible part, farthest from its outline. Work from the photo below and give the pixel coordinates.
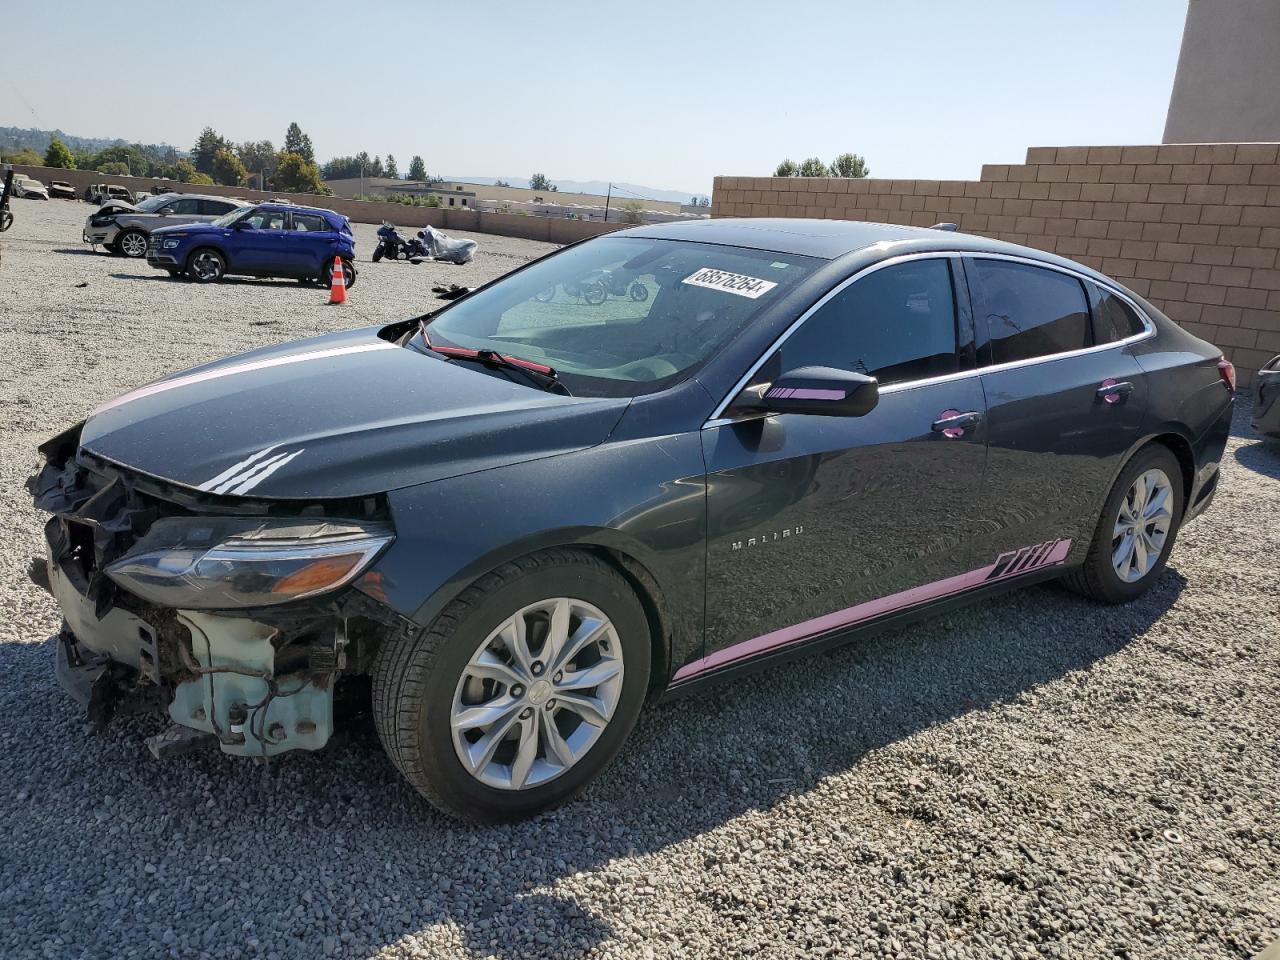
(1030, 311)
(215, 208)
(895, 324)
(310, 222)
(1116, 319)
(187, 206)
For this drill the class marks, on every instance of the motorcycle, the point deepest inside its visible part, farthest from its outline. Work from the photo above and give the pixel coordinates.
(390, 244)
(395, 247)
(597, 286)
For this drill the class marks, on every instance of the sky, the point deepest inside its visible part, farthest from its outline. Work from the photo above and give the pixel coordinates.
(666, 94)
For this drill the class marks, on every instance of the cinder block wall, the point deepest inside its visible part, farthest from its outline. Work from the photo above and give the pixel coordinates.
(1195, 228)
(550, 229)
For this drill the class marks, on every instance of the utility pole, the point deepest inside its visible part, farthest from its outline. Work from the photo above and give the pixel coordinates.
(607, 198)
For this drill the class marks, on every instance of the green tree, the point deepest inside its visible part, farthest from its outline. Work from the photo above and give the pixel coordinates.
(501, 183)
(227, 168)
(295, 141)
(341, 168)
(114, 168)
(849, 165)
(813, 167)
(375, 168)
(390, 169)
(58, 155)
(417, 168)
(26, 157)
(207, 145)
(296, 174)
(632, 212)
(786, 168)
(258, 156)
(539, 181)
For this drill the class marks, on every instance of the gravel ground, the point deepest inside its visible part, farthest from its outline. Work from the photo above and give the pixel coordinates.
(1038, 777)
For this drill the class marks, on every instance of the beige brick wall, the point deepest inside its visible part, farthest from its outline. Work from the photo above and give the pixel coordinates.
(1194, 228)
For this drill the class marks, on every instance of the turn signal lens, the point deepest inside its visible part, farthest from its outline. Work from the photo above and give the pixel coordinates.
(1227, 371)
(317, 576)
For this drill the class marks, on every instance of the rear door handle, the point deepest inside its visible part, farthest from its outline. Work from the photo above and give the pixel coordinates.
(1113, 391)
(953, 423)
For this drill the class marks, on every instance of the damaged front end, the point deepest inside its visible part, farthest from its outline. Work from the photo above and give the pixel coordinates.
(238, 616)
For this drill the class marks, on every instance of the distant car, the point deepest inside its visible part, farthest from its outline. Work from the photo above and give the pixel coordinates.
(62, 190)
(1266, 400)
(522, 520)
(102, 192)
(24, 186)
(267, 240)
(123, 228)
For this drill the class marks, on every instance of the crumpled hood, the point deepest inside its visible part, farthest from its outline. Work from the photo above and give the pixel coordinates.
(337, 416)
(116, 206)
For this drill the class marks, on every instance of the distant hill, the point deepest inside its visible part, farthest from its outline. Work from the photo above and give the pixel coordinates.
(18, 138)
(600, 187)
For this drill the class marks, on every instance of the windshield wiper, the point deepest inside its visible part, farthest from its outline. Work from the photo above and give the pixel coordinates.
(539, 374)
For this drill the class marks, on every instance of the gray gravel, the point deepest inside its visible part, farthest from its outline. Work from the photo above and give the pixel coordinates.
(1040, 777)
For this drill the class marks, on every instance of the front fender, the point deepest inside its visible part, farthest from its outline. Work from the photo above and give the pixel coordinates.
(643, 499)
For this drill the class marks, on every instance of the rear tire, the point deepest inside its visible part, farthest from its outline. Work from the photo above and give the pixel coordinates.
(1115, 569)
(377, 254)
(426, 681)
(349, 270)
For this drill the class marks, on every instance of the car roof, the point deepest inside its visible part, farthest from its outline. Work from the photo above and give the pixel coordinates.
(830, 239)
(281, 205)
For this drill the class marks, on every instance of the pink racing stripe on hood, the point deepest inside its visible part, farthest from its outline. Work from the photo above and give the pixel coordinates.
(161, 386)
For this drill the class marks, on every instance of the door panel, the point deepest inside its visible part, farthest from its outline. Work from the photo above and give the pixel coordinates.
(817, 522)
(1057, 426)
(811, 516)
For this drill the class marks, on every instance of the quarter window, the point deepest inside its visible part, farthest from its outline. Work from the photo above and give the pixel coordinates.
(1030, 311)
(1116, 319)
(895, 324)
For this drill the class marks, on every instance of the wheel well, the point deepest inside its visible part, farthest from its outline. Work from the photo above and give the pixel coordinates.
(653, 602)
(1181, 449)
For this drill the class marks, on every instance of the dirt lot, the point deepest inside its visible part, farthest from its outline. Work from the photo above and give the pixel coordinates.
(1037, 777)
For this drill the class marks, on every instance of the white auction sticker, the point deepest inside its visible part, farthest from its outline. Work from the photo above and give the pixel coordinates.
(737, 283)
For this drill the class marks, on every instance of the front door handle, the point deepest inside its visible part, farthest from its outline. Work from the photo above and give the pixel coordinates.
(1113, 391)
(953, 423)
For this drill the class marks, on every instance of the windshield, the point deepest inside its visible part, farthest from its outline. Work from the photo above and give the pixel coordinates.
(622, 316)
(155, 203)
(231, 216)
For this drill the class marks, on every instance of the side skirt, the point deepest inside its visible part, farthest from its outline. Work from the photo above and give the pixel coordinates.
(840, 636)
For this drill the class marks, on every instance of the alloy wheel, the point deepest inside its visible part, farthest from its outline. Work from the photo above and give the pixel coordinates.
(1142, 526)
(206, 265)
(133, 245)
(537, 694)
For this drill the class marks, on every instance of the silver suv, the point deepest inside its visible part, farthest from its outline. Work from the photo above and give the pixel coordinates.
(122, 228)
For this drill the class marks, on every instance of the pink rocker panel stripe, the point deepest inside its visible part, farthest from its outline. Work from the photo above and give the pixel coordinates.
(1054, 554)
(173, 384)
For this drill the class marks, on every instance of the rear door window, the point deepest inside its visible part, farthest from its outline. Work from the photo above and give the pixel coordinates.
(215, 208)
(1029, 311)
(896, 324)
(1115, 319)
(309, 222)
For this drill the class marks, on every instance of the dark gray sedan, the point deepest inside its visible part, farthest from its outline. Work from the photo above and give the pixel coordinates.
(122, 228)
(523, 516)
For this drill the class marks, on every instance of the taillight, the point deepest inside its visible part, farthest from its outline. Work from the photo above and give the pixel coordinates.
(1227, 371)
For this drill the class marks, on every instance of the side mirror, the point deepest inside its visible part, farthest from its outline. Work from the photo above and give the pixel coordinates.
(817, 391)
(242, 225)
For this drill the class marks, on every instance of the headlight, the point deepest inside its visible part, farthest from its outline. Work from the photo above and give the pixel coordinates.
(170, 244)
(215, 563)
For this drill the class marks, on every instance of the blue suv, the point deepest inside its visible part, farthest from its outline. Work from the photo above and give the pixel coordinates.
(267, 240)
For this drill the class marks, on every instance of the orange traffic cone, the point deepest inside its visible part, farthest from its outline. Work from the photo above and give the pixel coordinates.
(338, 282)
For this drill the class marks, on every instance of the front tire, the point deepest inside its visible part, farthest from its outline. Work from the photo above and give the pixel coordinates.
(206, 266)
(132, 244)
(521, 692)
(1136, 531)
